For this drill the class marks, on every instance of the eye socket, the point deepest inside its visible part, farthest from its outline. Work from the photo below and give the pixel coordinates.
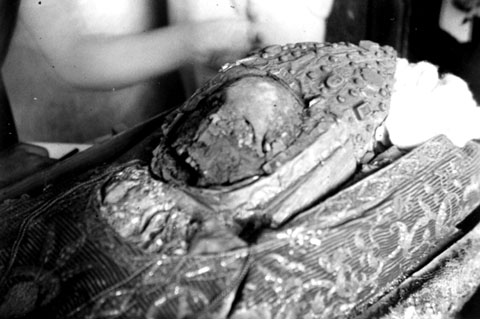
(234, 131)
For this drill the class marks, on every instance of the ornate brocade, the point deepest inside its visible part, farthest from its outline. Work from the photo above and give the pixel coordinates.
(330, 261)
(119, 243)
(336, 96)
(360, 243)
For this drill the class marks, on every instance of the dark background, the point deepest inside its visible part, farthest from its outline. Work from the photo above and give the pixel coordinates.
(412, 28)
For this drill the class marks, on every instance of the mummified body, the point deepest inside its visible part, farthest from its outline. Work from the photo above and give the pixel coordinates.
(261, 112)
(243, 210)
(272, 125)
(267, 137)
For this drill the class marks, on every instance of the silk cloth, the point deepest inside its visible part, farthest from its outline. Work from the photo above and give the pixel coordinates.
(60, 259)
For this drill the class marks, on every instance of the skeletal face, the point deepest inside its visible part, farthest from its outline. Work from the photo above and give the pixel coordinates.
(236, 130)
(262, 111)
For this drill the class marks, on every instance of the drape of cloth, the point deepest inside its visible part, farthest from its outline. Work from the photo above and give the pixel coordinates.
(60, 259)
(72, 252)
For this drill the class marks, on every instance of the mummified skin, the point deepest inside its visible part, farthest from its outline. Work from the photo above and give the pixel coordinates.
(276, 131)
(147, 248)
(262, 111)
(266, 138)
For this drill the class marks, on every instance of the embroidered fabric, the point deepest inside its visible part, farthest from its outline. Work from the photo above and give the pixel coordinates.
(117, 242)
(60, 258)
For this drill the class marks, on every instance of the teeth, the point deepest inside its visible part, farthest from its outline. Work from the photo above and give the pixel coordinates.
(267, 147)
(181, 150)
(268, 168)
(214, 118)
(316, 100)
(190, 161)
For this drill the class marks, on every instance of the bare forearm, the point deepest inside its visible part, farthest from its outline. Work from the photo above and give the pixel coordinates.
(104, 63)
(98, 61)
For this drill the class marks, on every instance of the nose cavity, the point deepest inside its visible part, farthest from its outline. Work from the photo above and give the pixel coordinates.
(259, 117)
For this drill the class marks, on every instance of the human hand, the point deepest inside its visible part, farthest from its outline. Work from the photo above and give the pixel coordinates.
(219, 41)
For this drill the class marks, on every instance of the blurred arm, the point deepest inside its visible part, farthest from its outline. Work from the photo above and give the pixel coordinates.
(106, 61)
